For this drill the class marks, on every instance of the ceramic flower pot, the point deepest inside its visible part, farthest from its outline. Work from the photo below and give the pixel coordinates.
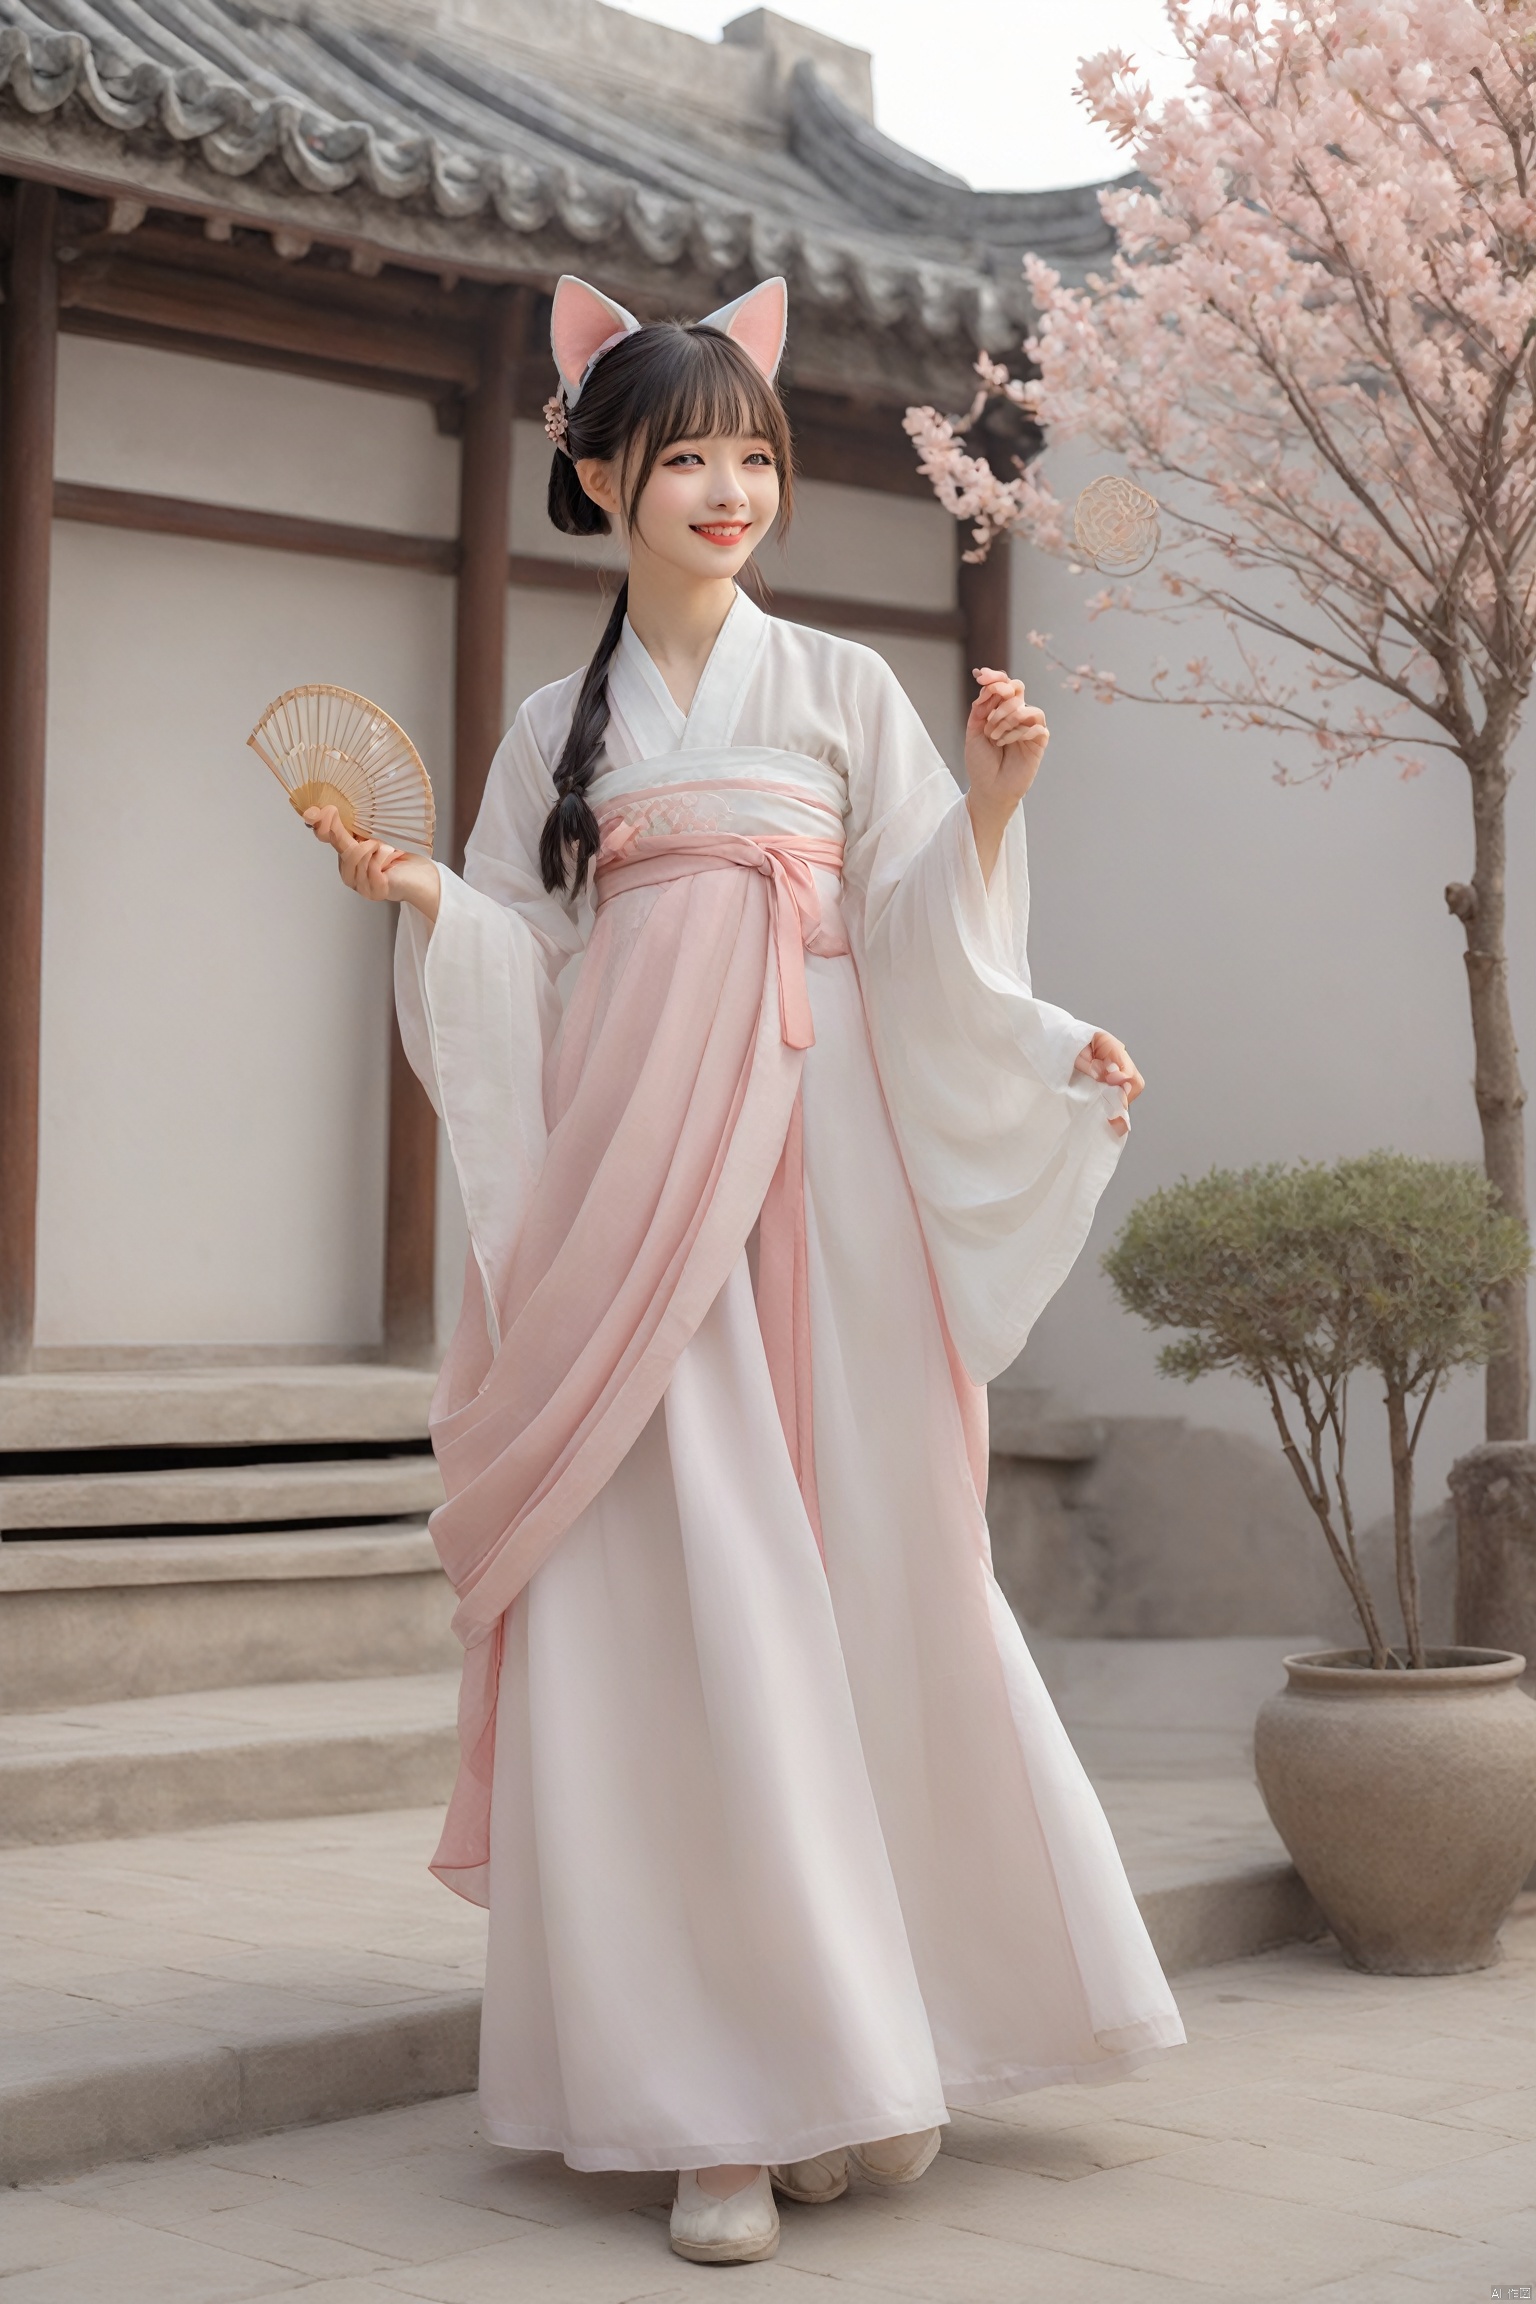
(1407, 1800)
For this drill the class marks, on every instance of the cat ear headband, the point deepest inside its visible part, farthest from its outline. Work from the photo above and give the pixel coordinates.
(585, 324)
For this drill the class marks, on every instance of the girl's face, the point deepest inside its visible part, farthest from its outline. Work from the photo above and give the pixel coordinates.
(707, 505)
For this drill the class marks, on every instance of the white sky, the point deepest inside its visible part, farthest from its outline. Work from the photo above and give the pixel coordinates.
(982, 87)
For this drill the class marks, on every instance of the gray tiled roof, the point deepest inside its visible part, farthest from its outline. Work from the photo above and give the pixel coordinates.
(452, 147)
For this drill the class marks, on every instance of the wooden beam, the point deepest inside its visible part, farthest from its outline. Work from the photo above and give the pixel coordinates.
(240, 524)
(324, 278)
(129, 508)
(831, 615)
(858, 441)
(77, 322)
(823, 610)
(197, 304)
(28, 367)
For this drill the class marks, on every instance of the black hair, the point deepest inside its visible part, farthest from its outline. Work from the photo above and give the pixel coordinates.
(663, 383)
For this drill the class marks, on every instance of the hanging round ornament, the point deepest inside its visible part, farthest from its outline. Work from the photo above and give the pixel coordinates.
(1116, 525)
(331, 748)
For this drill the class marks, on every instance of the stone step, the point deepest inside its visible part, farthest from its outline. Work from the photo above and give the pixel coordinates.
(170, 1763)
(86, 1620)
(1024, 1423)
(202, 1986)
(220, 1495)
(213, 1407)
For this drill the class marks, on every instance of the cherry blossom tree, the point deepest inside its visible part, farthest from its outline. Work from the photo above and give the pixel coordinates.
(1316, 346)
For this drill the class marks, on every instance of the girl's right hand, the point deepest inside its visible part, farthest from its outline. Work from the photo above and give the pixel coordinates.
(369, 868)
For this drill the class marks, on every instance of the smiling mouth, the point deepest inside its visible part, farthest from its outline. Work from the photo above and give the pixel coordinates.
(722, 531)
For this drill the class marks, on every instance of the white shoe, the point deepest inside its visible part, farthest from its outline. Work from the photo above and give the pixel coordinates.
(812, 2182)
(896, 2159)
(743, 2228)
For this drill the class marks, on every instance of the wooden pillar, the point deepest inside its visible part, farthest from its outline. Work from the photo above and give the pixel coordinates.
(984, 596)
(480, 624)
(28, 363)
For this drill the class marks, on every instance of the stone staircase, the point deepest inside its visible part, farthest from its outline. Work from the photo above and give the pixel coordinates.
(218, 1600)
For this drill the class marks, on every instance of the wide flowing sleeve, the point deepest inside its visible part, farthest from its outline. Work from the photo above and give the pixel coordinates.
(478, 992)
(1006, 1147)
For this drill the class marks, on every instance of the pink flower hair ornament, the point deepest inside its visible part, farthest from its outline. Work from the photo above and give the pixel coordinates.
(584, 324)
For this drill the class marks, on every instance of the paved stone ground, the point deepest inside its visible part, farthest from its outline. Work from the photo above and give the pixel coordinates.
(1364, 2140)
(169, 1937)
(342, 1909)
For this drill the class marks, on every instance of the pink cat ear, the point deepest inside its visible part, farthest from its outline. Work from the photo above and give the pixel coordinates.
(758, 322)
(583, 323)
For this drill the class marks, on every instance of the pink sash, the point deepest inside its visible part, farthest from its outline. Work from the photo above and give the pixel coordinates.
(673, 1103)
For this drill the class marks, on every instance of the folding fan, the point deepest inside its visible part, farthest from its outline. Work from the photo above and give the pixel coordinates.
(328, 747)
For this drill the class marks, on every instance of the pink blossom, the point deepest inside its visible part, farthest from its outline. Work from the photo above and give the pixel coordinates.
(1315, 346)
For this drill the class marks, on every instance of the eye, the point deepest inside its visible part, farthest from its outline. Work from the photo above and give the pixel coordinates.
(759, 456)
(683, 456)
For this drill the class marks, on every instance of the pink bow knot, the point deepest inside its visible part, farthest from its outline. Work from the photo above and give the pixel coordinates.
(631, 858)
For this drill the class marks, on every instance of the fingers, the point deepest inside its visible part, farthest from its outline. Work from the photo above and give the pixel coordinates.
(326, 825)
(1015, 722)
(996, 688)
(1001, 713)
(363, 864)
(367, 868)
(378, 870)
(1106, 1059)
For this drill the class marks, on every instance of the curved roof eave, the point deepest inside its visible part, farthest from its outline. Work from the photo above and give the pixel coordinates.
(431, 153)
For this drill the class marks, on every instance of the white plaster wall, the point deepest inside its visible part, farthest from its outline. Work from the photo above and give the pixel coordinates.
(170, 425)
(860, 545)
(215, 1010)
(215, 1039)
(548, 635)
(1279, 961)
(532, 529)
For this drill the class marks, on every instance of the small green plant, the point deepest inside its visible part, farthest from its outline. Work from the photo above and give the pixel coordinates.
(1297, 1277)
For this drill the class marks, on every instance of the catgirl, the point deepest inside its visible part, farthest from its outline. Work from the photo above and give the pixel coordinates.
(770, 1158)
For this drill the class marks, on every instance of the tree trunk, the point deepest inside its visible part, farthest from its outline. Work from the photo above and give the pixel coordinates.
(1402, 1523)
(1497, 1085)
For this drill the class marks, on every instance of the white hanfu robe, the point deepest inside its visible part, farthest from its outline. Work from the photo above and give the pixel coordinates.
(783, 1843)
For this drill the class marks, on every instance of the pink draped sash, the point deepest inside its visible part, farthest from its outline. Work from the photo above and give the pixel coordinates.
(672, 1097)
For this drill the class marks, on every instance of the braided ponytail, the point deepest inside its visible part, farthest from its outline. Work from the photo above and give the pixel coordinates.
(656, 386)
(570, 828)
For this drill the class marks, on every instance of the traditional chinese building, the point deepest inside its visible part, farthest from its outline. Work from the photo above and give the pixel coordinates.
(275, 345)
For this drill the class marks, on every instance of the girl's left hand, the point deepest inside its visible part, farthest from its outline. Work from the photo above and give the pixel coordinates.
(1105, 1058)
(1005, 740)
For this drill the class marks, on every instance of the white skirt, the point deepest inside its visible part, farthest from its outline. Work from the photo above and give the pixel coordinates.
(785, 1857)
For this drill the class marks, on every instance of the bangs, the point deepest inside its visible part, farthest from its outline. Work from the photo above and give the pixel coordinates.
(714, 391)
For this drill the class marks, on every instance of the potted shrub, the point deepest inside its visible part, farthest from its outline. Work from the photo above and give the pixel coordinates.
(1402, 1778)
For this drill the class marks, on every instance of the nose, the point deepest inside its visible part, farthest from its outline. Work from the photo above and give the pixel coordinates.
(727, 492)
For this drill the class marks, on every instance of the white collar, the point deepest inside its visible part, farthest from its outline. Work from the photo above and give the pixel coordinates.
(652, 713)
